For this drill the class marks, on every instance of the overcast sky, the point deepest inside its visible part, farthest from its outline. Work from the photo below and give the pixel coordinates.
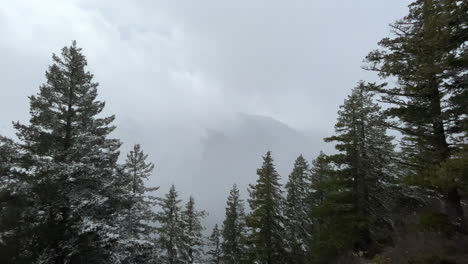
(171, 60)
(175, 71)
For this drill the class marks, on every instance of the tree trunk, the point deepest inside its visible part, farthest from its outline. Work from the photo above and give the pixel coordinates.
(453, 207)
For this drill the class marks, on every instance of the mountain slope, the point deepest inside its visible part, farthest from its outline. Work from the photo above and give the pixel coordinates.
(204, 160)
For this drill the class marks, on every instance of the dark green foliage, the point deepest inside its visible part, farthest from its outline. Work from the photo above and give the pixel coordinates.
(349, 203)
(428, 57)
(16, 198)
(214, 253)
(9, 156)
(435, 222)
(266, 218)
(171, 229)
(234, 229)
(338, 224)
(136, 244)
(193, 238)
(63, 114)
(70, 165)
(297, 222)
(320, 173)
(136, 170)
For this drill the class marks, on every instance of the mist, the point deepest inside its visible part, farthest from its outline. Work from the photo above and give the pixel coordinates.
(206, 87)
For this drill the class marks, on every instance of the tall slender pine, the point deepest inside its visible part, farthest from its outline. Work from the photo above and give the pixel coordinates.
(136, 216)
(266, 238)
(297, 222)
(234, 229)
(193, 228)
(214, 252)
(354, 208)
(171, 233)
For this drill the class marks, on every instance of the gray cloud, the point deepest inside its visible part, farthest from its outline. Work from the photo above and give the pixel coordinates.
(290, 60)
(175, 71)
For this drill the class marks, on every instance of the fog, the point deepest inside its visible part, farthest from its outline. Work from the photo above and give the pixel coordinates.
(205, 86)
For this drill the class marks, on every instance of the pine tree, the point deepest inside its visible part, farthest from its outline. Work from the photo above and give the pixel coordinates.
(320, 173)
(71, 163)
(16, 195)
(266, 220)
(193, 229)
(337, 222)
(353, 212)
(136, 216)
(320, 179)
(233, 246)
(297, 222)
(8, 153)
(171, 233)
(427, 57)
(214, 252)
(366, 149)
(138, 170)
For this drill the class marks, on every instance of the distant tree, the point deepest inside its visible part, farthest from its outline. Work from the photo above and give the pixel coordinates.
(136, 170)
(426, 56)
(266, 219)
(214, 252)
(71, 166)
(297, 221)
(136, 216)
(193, 237)
(234, 229)
(171, 231)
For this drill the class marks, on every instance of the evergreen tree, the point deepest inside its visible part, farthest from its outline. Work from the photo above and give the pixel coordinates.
(266, 220)
(233, 246)
(297, 222)
(193, 229)
(136, 216)
(215, 246)
(137, 169)
(321, 177)
(353, 212)
(71, 163)
(9, 154)
(171, 229)
(427, 57)
(16, 195)
(320, 173)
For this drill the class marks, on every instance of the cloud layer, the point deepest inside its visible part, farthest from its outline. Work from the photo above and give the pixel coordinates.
(294, 61)
(176, 73)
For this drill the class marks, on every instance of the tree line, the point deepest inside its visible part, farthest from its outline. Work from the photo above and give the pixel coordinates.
(65, 197)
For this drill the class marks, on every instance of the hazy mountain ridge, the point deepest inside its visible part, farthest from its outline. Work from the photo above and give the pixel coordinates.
(205, 159)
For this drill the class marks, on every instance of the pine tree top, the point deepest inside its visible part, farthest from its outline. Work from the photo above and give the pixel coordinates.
(64, 114)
